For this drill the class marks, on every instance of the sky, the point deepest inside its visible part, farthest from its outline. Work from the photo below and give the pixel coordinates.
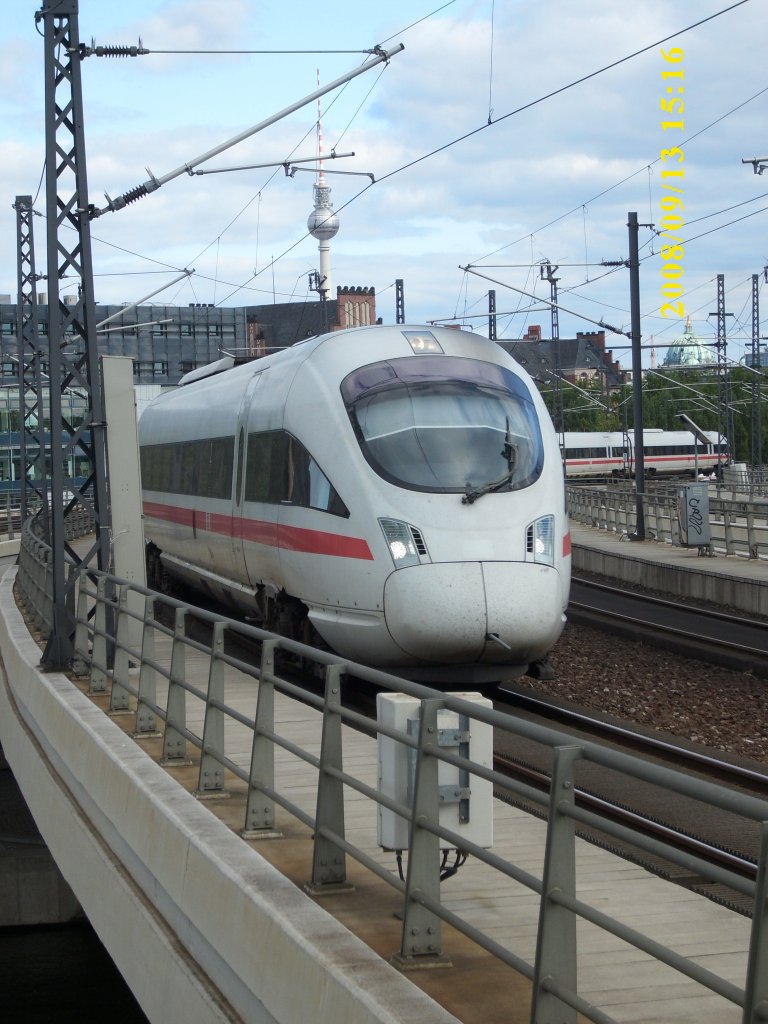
(505, 134)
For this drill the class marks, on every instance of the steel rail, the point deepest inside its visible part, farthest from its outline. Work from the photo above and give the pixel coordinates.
(689, 758)
(719, 650)
(688, 844)
(713, 614)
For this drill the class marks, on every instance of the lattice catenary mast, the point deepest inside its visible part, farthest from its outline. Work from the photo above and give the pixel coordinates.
(32, 412)
(73, 355)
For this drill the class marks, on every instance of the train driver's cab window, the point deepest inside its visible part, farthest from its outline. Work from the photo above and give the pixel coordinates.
(280, 471)
(443, 424)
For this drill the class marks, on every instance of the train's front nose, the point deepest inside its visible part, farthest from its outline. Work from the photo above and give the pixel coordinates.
(465, 612)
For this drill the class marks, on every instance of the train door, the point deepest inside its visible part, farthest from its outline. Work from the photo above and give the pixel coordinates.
(241, 455)
(627, 456)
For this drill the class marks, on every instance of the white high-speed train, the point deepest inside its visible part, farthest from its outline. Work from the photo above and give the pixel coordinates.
(396, 490)
(612, 453)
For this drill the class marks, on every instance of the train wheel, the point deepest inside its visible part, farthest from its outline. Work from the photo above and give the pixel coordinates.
(542, 668)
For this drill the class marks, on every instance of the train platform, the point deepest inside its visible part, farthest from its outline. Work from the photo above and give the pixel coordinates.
(728, 581)
(629, 986)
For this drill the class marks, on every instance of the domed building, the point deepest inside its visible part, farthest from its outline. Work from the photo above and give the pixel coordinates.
(688, 351)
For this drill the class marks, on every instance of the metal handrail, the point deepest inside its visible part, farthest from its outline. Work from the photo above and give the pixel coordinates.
(738, 525)
(117, 626)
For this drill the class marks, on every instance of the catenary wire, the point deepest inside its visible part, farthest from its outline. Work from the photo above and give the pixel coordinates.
(516, 111)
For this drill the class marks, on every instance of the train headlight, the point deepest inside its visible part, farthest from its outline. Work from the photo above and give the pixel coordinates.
(541, 540)
(400, 542)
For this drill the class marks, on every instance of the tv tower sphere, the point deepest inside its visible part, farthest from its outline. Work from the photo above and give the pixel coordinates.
(322, 223)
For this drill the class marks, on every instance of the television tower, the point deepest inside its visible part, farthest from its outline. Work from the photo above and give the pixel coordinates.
(322, 223)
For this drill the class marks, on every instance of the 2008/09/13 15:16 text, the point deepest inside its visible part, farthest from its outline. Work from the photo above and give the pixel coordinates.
(672, 177)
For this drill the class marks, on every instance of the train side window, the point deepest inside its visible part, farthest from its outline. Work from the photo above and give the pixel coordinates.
(196, 468)
(214, 467)
(189, 462)
(221, 454)
(262, 481)
(203, 478)
(280, 469)
(159, 470)
(170, 479)
(307, 483)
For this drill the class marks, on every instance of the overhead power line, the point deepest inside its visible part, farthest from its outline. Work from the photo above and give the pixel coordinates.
(565, 88)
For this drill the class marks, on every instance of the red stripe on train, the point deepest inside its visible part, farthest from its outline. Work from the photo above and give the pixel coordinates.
(260, 531)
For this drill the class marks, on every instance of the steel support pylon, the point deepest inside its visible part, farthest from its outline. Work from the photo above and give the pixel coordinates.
(757, 366)
(547, 272)
(725, 409)
(32, 407)
(78, 449)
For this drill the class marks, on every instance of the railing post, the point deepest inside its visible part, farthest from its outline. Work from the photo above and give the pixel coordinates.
(421, 943)
(596, 510)
(260, 806)
(329, 871)
(211, 778)
(82, 655)
(730, 547)
(756, 994)
(752, 545)
(146, 719)
(174, 743)
(45, 605)
(664, 529)
(98, 680)
(119, 700)
(655, 520)
(556, 941)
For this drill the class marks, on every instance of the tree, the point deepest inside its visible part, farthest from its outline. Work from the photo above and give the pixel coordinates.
(697, 392)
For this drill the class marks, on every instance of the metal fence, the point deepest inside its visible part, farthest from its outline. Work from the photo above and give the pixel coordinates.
(738, 524)
(119, 632)
(10, 514)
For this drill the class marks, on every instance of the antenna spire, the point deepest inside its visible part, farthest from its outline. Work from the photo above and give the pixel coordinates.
(320, 176)
(322, 223)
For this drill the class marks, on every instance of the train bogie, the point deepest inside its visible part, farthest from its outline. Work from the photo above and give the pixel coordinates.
(400, 487)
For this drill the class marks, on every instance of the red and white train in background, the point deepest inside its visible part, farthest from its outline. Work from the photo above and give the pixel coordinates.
(397, 491)
(612, 453)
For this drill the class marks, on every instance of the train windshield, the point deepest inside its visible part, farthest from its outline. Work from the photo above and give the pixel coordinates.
(442, 423)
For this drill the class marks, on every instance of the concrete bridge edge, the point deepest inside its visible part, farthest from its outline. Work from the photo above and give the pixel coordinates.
(202, 927)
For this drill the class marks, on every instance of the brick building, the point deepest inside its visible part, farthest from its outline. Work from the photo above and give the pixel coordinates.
(581, 359)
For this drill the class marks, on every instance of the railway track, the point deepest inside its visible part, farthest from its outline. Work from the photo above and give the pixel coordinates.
(720, 638)
(714, 836)
(646, 744)
(688, 631)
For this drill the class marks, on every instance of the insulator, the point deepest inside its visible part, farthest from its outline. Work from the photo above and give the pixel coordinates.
(120, 51)
(136, 193)
(113, 51)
